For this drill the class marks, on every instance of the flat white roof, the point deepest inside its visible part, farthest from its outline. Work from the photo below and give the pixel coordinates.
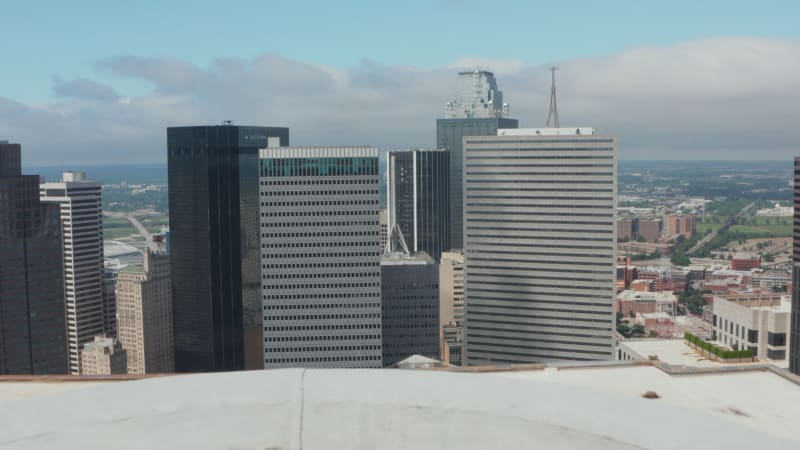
(598, 407)
(575, 131)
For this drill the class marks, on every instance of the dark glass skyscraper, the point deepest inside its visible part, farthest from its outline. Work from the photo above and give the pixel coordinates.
(794, 330)
(449, 135)
(214, 245)
(33, 335)
(418, 191)
(409, 306)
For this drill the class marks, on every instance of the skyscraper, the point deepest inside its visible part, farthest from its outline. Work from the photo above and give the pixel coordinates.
(214, 246)
(418, 199)
(144, 302)
(409, 306)
(477, 110)
(320, 256)
(33, 335)
(794, 327)
(80, 203)
(540, 207)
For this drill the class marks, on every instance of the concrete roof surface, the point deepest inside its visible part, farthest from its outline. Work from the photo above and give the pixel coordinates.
(392, 409)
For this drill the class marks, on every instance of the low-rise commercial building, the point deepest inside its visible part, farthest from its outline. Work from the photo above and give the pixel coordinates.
(745, 262)
(103, 356)
(757, 322)
(634, 302)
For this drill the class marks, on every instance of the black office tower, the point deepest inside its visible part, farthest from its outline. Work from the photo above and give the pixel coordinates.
(794, 325)
(33, 333)
(449, 135)
(214, 245)
(418, 191)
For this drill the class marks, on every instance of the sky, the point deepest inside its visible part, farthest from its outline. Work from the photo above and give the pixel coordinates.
(98, 82)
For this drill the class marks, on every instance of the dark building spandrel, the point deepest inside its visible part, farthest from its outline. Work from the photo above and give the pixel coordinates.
(450, 134)
(794, 331)
(214, 250)
(33, 336)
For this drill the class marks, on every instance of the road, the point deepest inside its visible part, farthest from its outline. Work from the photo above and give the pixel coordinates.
(713, 234)
(148, 238)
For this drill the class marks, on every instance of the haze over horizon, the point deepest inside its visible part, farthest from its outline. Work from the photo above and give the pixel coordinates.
(100, 84)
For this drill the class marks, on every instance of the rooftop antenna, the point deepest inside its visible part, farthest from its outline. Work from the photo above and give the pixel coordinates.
(227, 122)
(553, 114)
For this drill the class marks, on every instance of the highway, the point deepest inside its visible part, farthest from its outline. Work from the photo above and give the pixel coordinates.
(724, 227)
(148, 238)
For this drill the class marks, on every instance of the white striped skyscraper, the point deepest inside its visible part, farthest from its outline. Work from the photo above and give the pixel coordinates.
(539, 221)
(80, 202)
(320, 257)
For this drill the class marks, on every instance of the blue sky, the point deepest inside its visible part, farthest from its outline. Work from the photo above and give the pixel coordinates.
(51, 47)
(43, 39)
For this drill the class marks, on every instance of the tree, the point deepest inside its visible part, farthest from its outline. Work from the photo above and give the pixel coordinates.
(632, 314)
(637, 330)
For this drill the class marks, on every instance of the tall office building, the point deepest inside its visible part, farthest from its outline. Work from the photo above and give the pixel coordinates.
(451, 307)
(213, 218)
(540, 207)
(476, 110)
(418, 199)
(320, 257)
(80, 202)
(144, 302)
(794, 327)
(110, 301)
(33, 335)
(409, 306)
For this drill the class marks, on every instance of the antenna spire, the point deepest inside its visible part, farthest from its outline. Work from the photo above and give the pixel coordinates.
(553, 114)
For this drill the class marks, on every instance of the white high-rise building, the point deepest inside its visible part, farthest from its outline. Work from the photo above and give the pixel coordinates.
(80, 202)
(539, 243)
(320, 257)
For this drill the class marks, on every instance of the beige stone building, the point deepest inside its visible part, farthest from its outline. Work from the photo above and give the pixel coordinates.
(144, 305)
(451, 306)
(103, 356)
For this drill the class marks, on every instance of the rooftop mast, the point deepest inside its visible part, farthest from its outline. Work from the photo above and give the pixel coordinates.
(553, 114)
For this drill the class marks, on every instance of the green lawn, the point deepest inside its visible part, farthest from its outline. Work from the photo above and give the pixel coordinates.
(116, 227)
(769, 226)
(711, 223)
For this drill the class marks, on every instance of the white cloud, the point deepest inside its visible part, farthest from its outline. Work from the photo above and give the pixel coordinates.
(733, 98)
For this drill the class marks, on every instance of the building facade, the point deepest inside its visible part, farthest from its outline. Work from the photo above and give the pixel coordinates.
(409, 306)
(794, 331)
(539, 229)
(103, 356)
(144, 303)
(649, 229)
(320, 257)
(681, 224)
(451, 307)
(758, 322)
(214, 245)
(477, 109)
(418, 199)
(88, 311)
(33, 335)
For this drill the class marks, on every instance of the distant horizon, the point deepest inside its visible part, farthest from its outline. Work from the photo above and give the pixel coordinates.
(164, 164)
